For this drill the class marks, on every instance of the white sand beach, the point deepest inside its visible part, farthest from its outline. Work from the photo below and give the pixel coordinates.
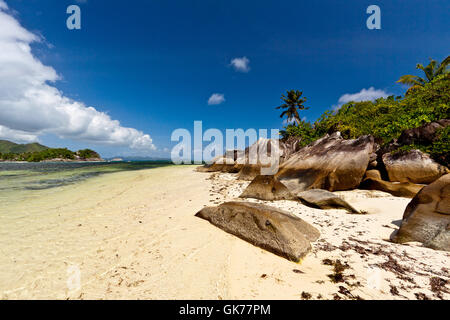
(133, 235)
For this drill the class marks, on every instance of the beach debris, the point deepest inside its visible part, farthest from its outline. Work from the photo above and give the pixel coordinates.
(266, 227)
(438, 286)
(393, 266)
(421, 296)
(336, 297)
(347, 293)
(324, 199)
(306, 295)
(325, 246)
(393, 290)
(427, 217)
(338, 270)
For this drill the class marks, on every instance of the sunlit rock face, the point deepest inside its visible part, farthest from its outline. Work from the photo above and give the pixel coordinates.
(427, 217)
(330, 163)
(267, 188)
(413, 166)
(266, 227)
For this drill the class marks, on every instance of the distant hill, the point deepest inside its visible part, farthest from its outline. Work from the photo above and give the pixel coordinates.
(11, 147)
(137, 158)
(35, 152)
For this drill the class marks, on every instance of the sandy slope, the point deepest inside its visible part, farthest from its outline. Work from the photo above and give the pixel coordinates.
(133, 235)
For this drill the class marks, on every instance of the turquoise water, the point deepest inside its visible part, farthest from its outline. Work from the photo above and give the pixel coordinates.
(20, 181)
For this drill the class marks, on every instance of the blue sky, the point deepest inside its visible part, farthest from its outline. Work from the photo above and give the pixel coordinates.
(153, 65)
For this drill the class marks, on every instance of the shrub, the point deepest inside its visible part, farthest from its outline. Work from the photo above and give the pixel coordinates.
(87, 154)
(386, 118)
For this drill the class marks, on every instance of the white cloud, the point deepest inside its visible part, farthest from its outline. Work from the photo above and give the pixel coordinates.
(30, 106)
(216, 98)
(241, 64)
(17, 135)
(370, 94)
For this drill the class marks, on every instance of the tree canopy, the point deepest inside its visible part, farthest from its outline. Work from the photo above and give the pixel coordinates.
(293, 103)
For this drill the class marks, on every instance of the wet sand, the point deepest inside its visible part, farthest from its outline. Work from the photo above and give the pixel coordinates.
(133, 235)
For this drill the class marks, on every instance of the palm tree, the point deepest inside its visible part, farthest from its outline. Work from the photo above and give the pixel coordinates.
(432, 70)
(292, 103)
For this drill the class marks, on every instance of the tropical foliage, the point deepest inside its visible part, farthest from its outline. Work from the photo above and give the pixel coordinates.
(87, 154)
(50, 154)
(11, 147)
(431, 71)
(293, 103)
(386, 118)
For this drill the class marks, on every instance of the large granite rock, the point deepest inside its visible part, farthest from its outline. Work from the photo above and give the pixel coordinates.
(249, 172)
(263, 226)
(257, 158)
(427, 217)
(330, 163)
(254, 160)
(373, 174)
(224, 163)
(398, 189)
(267, 188)
(290, 146)
(424, 135)
(413, 166)
(325, 200)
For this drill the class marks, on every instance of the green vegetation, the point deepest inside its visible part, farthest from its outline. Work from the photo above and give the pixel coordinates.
(88, 154)
(11, 147)
(439, 149)
(48, 154)
(386, 118)
(432, 71)
(292, 103)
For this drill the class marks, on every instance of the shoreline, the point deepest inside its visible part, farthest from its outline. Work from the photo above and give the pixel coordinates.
(89, 161)
(133, 235)
(59, 161)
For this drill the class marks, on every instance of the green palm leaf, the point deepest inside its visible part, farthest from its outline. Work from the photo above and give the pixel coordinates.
(443, 68)
(411, 80)
(293, 102)
(432, 70)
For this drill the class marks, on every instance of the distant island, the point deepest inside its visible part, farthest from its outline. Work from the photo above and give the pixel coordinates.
(137, 158)
(35, 152)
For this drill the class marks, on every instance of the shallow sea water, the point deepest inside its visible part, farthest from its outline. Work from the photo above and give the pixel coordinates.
(24, 181)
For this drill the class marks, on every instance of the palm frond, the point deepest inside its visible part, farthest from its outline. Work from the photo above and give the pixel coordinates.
(430, 69)
(443, 68)
(411, 80)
